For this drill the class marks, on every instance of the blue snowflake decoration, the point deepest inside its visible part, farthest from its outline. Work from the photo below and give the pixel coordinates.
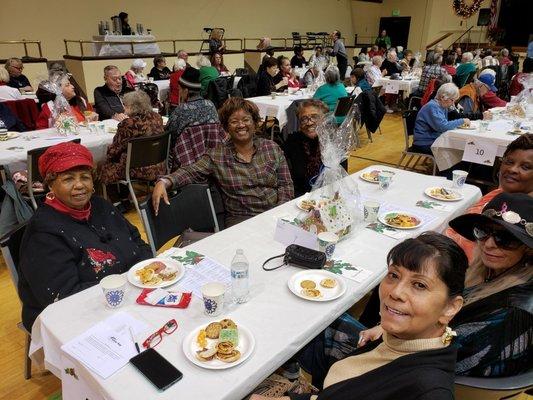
(210, 306)
(114, 297)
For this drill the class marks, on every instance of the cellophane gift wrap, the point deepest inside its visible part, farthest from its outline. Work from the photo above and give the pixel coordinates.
(61, 114)
(521, 105)
(334, 198)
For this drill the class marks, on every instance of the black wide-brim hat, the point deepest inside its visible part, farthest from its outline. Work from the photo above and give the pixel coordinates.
(512, 211)
(190, 79)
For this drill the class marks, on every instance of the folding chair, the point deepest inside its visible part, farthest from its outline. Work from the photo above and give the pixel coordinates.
(191, 207)
(409, 118)
(143, 152)
(468, 388)
(10, 245)
(33, 171)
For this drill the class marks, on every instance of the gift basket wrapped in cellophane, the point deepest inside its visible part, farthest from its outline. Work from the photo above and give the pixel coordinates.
(521, 105)
(61, 114)
(332, 205)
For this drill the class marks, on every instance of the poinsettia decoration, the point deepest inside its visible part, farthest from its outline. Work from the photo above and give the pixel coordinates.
(464, 10)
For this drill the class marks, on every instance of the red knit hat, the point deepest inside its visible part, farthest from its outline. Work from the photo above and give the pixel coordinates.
(64, 156)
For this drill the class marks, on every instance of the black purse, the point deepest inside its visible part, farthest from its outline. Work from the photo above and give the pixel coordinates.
(299, 256)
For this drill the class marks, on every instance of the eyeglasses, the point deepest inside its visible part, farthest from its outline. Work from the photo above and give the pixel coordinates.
(155, 338)
(245, 121)
(503, 239)
(310, 118)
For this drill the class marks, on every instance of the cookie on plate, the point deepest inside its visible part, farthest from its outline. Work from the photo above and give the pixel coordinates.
(213, 330)
(329, 283)
(314, 293)
(308, 284)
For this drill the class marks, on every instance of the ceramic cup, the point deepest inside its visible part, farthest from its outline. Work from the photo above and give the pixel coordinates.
(370, 211)
(213, 295)
(114, 288)
(327, 242)
(385, 179)
(459, 178)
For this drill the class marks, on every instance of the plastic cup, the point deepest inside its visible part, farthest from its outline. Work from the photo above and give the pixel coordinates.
(385, 179)
(114, 288)
(459, 178)
(273, 95)
(370, 211)
(327, 242)
(483, 126)
(100, 127)
(213, 295)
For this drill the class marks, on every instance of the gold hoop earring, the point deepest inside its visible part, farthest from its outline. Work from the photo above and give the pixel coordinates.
(50, 196)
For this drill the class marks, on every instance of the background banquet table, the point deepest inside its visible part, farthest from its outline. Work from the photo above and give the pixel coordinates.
(281, 322)
(449, 147)
(13, 152)
(114, 49)
(164, 88)
(408, 86)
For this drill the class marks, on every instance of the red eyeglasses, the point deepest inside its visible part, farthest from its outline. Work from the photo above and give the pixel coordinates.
(155, 338)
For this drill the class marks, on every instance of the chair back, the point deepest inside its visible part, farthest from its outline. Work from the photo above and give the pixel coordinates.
(409, 119)
(32, 160)
(343, 106)
(467, 387)
(26, 110)
(191, 207)
(218, 90)
(146, 151)
(10, 245)
(248, 85)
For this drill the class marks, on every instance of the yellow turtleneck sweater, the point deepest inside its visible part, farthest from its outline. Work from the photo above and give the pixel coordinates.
(391, 349)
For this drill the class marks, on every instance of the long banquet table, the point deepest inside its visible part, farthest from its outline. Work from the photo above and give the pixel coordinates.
(281, 322)
(117, 49)
(408, 86)
(13, 152)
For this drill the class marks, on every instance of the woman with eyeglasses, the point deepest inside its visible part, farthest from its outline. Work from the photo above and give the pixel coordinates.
(302, 149)
(495, 326)
(515, 176)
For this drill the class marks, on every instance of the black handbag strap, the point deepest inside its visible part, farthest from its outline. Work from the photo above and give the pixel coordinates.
(273, 258)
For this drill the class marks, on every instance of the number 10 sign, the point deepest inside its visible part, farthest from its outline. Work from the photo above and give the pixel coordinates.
(480, 152)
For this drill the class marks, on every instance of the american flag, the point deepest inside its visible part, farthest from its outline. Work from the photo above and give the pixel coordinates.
(494, 7)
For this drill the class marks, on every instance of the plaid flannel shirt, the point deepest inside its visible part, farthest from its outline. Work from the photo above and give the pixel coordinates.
(194, 141)
(247, 188)
(430, 72)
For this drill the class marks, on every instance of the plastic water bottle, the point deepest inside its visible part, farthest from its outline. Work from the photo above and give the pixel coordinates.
(239, 278)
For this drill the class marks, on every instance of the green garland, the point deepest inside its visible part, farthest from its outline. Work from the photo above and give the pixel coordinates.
(465, 11)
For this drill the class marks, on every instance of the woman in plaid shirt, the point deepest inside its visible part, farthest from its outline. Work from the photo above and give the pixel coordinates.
(250, 172)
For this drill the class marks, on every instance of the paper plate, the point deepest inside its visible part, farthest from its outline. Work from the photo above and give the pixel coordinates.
(317, 275)
(368, 176)
(383, 219)
(12, 135)
(246, 347)
(433, 192)
(135, 281)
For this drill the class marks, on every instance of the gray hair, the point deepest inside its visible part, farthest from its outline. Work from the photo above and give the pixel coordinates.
(332, 75)
(376, 60)
(110, 68)
(468, 56)
(180, 64)
(390, 54)
(505, 52)
(13, 60)
(138, 102)
(203, 61)
(447, 91)
(4, 75)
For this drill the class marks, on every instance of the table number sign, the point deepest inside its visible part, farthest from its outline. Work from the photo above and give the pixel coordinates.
(480, 152)
(392, 87)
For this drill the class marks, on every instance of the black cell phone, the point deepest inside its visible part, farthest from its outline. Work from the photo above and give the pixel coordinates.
(156, 368)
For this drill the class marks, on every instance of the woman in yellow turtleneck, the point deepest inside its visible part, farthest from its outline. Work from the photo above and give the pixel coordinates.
(419, 296)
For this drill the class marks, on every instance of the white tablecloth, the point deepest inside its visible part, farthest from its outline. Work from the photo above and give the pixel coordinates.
(449, 147)
(102, 50)
(164, 88)
(13, 152)
(407, 86)
(269, 107)
(281, 322)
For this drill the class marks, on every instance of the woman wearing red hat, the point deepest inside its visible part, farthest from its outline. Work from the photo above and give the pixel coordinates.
(75, 238)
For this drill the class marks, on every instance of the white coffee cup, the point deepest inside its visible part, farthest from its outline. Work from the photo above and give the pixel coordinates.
(459, 178)
(327, 242)
(114, 288)
(370, 211)
(213, 295)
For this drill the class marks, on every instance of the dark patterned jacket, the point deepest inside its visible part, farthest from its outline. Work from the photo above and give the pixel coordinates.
(60, 256)
(114, 168)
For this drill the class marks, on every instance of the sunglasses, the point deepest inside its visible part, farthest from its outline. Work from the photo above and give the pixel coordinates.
(503, 239)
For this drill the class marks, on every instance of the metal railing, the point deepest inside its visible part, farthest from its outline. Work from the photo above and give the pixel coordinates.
(132, 43)
(25, 43)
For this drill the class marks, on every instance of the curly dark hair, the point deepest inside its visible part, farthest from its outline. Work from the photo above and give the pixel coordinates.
(234, 104)
(524, 142)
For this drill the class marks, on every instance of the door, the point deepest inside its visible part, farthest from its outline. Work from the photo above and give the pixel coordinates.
(397, 29)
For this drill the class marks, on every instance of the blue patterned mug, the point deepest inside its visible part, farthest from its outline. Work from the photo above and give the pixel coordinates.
(114, 288)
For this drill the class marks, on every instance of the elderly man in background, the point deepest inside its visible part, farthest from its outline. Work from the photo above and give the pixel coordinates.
(465, 68)
(375, 73)
(108, 98)
(311, 74)
(17, 79)
(183, 55)
(339, 51)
